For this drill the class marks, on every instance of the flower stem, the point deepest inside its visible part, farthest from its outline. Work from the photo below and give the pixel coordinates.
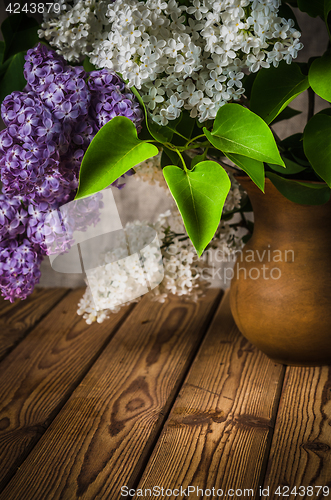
(182, 159)
(194, 139)
(180, 135)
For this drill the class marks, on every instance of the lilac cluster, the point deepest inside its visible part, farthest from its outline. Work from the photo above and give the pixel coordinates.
(20, 255)
(106, 105)
(48, 129)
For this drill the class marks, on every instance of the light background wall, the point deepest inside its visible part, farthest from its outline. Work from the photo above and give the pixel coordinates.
(142, 201)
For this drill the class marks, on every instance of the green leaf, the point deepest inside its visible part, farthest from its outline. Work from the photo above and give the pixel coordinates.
(291, 167)
(286, 114)
(304, 193)
(320, 75)
(325, 111)
(88, 66)
(253, 168)
(312, 7)
(275, 88)
(12, 75)
(113, 151)
(317, 145)
(239, 130)
(19, 33)
(200, 195)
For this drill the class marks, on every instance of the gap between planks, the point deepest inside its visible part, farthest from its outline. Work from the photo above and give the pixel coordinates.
(219, 430)
(40, 374)
(103, 435)
(19, 317)
(301, 449)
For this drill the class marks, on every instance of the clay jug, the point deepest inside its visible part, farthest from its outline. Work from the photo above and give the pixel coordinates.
(281, 290)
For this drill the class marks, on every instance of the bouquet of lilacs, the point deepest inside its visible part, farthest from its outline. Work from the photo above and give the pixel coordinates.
(117, 280)
(195, 69)
(178, 56)
(48, 129)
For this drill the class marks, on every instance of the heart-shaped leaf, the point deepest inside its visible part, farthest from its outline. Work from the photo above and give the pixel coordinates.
(238, 130)
(113, 151)
(304, 193)
(317, 145)
(253, 168)
(200, 195)
(275, 88)
(320, 76)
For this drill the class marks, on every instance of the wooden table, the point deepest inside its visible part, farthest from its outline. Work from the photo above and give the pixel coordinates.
(161, 395)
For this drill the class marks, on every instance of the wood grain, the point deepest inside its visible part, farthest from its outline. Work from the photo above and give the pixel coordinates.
(301, 448)
(18, 318)
(104, 434)
(39, 375)
(219, 431)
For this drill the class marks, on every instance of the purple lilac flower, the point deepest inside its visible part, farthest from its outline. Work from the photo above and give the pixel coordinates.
(6, 140)
(110, 98)
(19, 268)
(49, 126)
(13, 217)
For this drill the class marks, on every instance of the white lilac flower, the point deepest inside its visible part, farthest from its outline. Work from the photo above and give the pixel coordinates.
(150, 171)
(197, 54)
(118, 279)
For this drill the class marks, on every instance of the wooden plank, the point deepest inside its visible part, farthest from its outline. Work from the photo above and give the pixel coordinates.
(104, 434)
(219, 430)
(18, 318)
(300, 453)
(39, 375)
